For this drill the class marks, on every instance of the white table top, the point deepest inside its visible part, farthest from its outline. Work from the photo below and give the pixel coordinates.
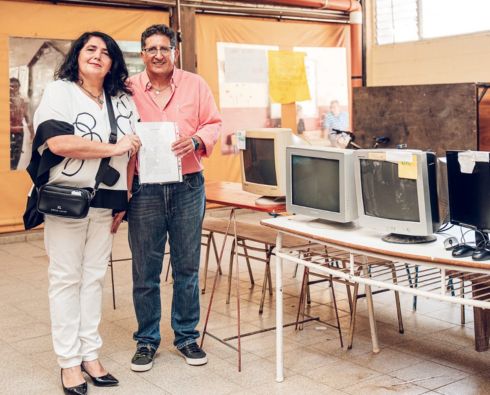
(363, 240)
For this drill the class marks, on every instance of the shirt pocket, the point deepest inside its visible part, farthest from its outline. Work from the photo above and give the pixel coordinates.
(188, 118)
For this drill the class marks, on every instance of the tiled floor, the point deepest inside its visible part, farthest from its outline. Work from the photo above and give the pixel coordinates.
(434, 356)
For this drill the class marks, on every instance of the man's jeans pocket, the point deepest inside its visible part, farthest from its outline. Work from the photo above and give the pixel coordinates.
(194, 181)
(136, 188)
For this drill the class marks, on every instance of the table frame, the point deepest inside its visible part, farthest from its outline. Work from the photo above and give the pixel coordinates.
(442, 269)
(230, 194)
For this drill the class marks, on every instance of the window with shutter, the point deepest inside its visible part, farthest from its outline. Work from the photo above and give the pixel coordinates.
(400, 21)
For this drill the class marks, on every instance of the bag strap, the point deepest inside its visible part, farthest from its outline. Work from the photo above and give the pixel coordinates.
(104, 163)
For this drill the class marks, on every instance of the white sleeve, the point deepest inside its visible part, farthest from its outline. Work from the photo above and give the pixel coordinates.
(52, 117)
(55, 104)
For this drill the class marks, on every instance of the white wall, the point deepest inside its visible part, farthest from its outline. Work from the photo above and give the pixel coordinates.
(443, 60)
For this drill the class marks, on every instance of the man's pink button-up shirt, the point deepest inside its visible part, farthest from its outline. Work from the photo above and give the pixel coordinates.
(191, 105)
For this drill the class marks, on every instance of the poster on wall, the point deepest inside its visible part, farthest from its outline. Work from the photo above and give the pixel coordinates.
(245, 103)
(244, 91)
(32, 64)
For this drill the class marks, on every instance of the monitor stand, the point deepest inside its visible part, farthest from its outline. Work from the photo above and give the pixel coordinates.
(270, 200)
(406, 239)
(320, 223)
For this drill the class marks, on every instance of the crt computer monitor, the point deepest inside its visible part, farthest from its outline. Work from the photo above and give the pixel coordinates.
(320, 183)
(397, 193)
(263, 163)
(469, 193)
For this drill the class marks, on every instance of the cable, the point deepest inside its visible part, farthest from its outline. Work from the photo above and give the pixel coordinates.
(444, 227)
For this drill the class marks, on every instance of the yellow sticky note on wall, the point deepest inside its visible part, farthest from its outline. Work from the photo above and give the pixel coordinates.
(287, 77)
(408, 169)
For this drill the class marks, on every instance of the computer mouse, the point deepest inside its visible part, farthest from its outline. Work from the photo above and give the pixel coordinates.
(463, 251)
(450, 243)
(481, 254)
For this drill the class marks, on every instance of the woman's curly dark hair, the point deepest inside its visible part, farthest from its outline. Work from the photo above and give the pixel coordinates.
(114, 81)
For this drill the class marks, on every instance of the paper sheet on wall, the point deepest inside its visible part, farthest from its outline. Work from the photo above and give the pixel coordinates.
(157, 162)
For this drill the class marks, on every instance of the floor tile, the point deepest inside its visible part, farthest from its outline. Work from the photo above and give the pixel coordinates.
(471, 385)
(295, 385)
(382, 385)
(387, 360)
(429, 375)
(434, 356)
(340, 374)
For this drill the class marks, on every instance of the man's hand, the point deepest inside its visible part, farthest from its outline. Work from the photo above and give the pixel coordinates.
(116, 221)
(184, 146)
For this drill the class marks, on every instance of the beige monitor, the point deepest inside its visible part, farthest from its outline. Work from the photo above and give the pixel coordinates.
(263, 163)
(320, 183)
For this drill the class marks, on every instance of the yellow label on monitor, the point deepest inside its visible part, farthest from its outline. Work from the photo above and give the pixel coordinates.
(408, 169)
(377, 155)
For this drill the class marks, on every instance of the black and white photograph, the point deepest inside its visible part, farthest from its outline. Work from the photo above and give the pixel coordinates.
(32, 64)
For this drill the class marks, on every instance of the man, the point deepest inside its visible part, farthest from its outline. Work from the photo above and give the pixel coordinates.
(335, 119)
(164, 93)
(18, 115)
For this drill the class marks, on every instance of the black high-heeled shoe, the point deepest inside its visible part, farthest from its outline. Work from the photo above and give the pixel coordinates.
(77, 390)
(108, 380)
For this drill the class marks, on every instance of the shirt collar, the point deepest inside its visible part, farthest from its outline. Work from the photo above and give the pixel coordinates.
(173, 80)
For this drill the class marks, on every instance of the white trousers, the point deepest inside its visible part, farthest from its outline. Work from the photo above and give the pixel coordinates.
(78, 251)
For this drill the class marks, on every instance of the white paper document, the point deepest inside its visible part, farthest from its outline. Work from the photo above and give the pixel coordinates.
(157, 162)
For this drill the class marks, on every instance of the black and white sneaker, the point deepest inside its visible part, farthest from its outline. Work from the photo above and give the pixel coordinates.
(194, 355)
(143, 359)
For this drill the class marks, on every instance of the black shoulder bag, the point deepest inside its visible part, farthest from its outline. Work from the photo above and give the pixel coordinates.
(74, 202)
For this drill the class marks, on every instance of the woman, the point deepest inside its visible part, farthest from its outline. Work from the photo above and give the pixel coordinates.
(72, 134)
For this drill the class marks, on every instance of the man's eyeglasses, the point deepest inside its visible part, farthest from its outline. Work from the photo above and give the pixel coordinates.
(154, 50)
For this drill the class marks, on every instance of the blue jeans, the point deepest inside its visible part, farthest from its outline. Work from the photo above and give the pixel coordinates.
(155, 211)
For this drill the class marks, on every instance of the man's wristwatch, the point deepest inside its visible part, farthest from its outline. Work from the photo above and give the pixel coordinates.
(196, 143)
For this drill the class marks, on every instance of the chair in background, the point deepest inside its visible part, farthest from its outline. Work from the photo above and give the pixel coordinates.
(111, 265)
(249, 232)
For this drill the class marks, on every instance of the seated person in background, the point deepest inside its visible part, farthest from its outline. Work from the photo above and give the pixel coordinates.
(300, 127)
(334, 119)
(275, 123)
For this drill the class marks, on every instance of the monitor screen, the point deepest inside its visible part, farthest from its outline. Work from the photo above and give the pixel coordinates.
(469, 193)
(315, 183)
(259, 161)
(385, 195)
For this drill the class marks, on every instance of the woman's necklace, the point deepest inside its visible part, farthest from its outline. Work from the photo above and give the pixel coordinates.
(98, 98)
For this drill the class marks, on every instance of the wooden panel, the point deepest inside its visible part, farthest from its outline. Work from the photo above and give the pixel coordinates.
(484, 121)
(429, 117)
(188, 21)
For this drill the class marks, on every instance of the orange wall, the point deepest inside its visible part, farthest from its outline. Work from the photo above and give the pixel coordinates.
(33, 19)
(211, 29)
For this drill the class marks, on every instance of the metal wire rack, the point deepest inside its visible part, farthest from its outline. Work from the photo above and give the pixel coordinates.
(429, 280)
